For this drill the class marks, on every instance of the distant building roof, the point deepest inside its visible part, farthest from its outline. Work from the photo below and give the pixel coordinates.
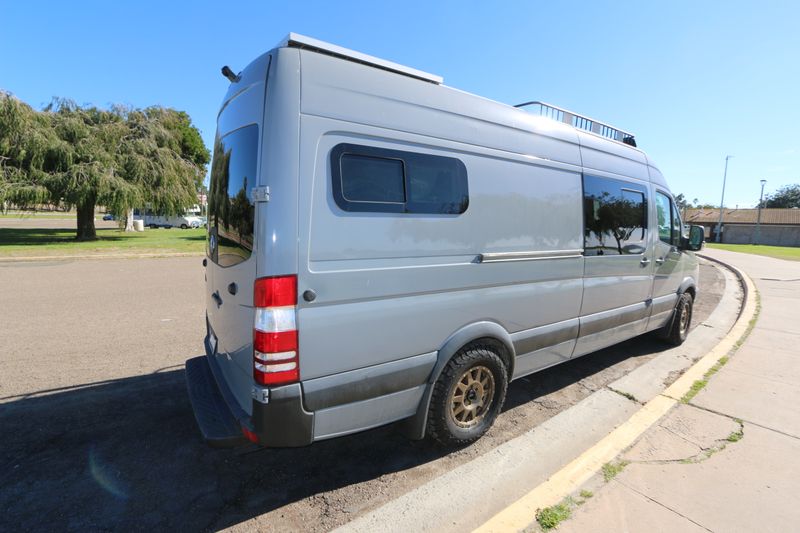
(744, 216)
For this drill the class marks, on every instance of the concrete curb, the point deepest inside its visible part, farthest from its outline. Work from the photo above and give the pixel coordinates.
(522, 513)
(34, 259)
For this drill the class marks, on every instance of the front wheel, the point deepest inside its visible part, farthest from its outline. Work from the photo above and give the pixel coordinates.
(468, 396)
(676, 331)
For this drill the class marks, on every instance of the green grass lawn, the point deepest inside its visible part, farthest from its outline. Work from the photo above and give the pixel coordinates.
(23, 242)
(779, 252)
(49, 216)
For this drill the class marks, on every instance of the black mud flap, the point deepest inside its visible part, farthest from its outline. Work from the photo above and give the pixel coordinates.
(217, 424)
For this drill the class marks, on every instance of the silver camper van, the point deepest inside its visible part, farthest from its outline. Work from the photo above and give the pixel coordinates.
(382, 247)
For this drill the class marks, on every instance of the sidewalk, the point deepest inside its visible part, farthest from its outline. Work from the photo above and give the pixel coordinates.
(730, 459)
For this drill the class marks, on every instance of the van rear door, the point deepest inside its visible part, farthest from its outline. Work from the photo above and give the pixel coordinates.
(232, 267)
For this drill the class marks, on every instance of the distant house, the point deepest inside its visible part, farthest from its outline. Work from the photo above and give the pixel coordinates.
(780, 227)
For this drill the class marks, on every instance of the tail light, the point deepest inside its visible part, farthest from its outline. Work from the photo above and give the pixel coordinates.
(275, 355)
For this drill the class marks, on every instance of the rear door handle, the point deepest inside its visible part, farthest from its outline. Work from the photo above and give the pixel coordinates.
(660, 261)
(645, 261)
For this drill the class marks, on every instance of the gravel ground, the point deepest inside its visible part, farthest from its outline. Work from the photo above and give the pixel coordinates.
(96, 430)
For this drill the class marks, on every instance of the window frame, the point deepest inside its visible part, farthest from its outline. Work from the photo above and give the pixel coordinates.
(408, 160)
(674, 213)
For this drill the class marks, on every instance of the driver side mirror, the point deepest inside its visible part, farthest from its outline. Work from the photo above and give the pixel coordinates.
(694, 242)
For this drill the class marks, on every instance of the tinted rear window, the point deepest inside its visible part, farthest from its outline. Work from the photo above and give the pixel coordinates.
(231, 209)
(378, 180)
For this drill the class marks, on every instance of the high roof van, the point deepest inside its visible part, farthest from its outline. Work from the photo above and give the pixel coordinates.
(382, 247)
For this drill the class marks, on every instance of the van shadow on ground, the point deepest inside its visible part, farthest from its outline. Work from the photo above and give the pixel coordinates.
(126, 454)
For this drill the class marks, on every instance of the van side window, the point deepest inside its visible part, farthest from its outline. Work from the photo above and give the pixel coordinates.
(372, 179)
(231, 210)
(377, 180)
(615, 216)
(666, 221)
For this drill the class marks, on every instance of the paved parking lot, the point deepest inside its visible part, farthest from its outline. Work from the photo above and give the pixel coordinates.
(97, 431)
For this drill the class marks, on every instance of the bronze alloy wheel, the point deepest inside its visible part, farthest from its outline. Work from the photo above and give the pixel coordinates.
(472, 396)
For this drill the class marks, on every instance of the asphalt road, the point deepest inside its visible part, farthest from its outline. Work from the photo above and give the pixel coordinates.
(96, 430)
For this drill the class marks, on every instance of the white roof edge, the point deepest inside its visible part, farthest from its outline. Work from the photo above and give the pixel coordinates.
(303, 41)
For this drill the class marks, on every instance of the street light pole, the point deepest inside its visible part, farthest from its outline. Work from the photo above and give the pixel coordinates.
(758, 224)
(722, 201)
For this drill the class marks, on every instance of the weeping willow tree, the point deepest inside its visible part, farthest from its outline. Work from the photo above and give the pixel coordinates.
(121, 158)
(163, 171)
(26, 142)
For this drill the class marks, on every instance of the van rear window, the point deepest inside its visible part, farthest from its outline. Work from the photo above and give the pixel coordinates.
(371, 179)
(231, 208)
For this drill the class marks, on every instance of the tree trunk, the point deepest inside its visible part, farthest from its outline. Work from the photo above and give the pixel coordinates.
(129, 220)
(86, 231)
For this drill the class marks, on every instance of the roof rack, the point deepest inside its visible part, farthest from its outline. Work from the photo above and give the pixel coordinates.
(295, 40)
(579, 121)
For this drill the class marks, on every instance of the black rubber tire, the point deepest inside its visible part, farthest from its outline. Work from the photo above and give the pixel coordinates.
(441, 427)
(184, 226)
(153, 226)
(674, 332)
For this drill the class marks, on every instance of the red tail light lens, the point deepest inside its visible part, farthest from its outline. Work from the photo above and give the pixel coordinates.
(276, 291)
(275, 346)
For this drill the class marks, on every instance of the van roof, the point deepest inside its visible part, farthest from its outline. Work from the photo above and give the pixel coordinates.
(295, 40)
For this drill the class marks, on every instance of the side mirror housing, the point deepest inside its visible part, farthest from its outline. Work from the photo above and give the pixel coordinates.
(695, 240)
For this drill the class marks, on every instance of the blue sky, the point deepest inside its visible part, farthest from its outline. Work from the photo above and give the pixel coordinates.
(695, 81)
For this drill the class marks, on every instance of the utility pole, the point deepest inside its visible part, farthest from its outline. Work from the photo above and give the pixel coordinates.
(758, 224)
(722, 201)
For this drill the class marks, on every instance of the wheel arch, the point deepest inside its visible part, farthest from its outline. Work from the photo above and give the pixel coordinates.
(688, 285)
(484, 332)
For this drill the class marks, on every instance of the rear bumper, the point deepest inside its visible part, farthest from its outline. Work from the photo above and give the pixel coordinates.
(218, 426)
(282, 422)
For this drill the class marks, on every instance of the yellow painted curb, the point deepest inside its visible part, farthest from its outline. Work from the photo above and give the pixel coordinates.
(522, 512)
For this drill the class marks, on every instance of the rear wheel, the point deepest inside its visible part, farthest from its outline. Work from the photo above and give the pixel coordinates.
(468, 396)
(184, 226)
(676, 331)
(153, 226)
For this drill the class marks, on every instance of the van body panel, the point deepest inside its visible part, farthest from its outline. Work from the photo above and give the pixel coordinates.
(603, 339)
(377, 276)
(370, 382)
(385, 298)
(366, 414)
(519, 195)
(656, 177)
(378, 98)
(544, 358)
(535, 339)
(382, 326)
(597, 154)
(277, 219)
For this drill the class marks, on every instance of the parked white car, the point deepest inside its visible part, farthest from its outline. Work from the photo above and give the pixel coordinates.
(165, 221)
